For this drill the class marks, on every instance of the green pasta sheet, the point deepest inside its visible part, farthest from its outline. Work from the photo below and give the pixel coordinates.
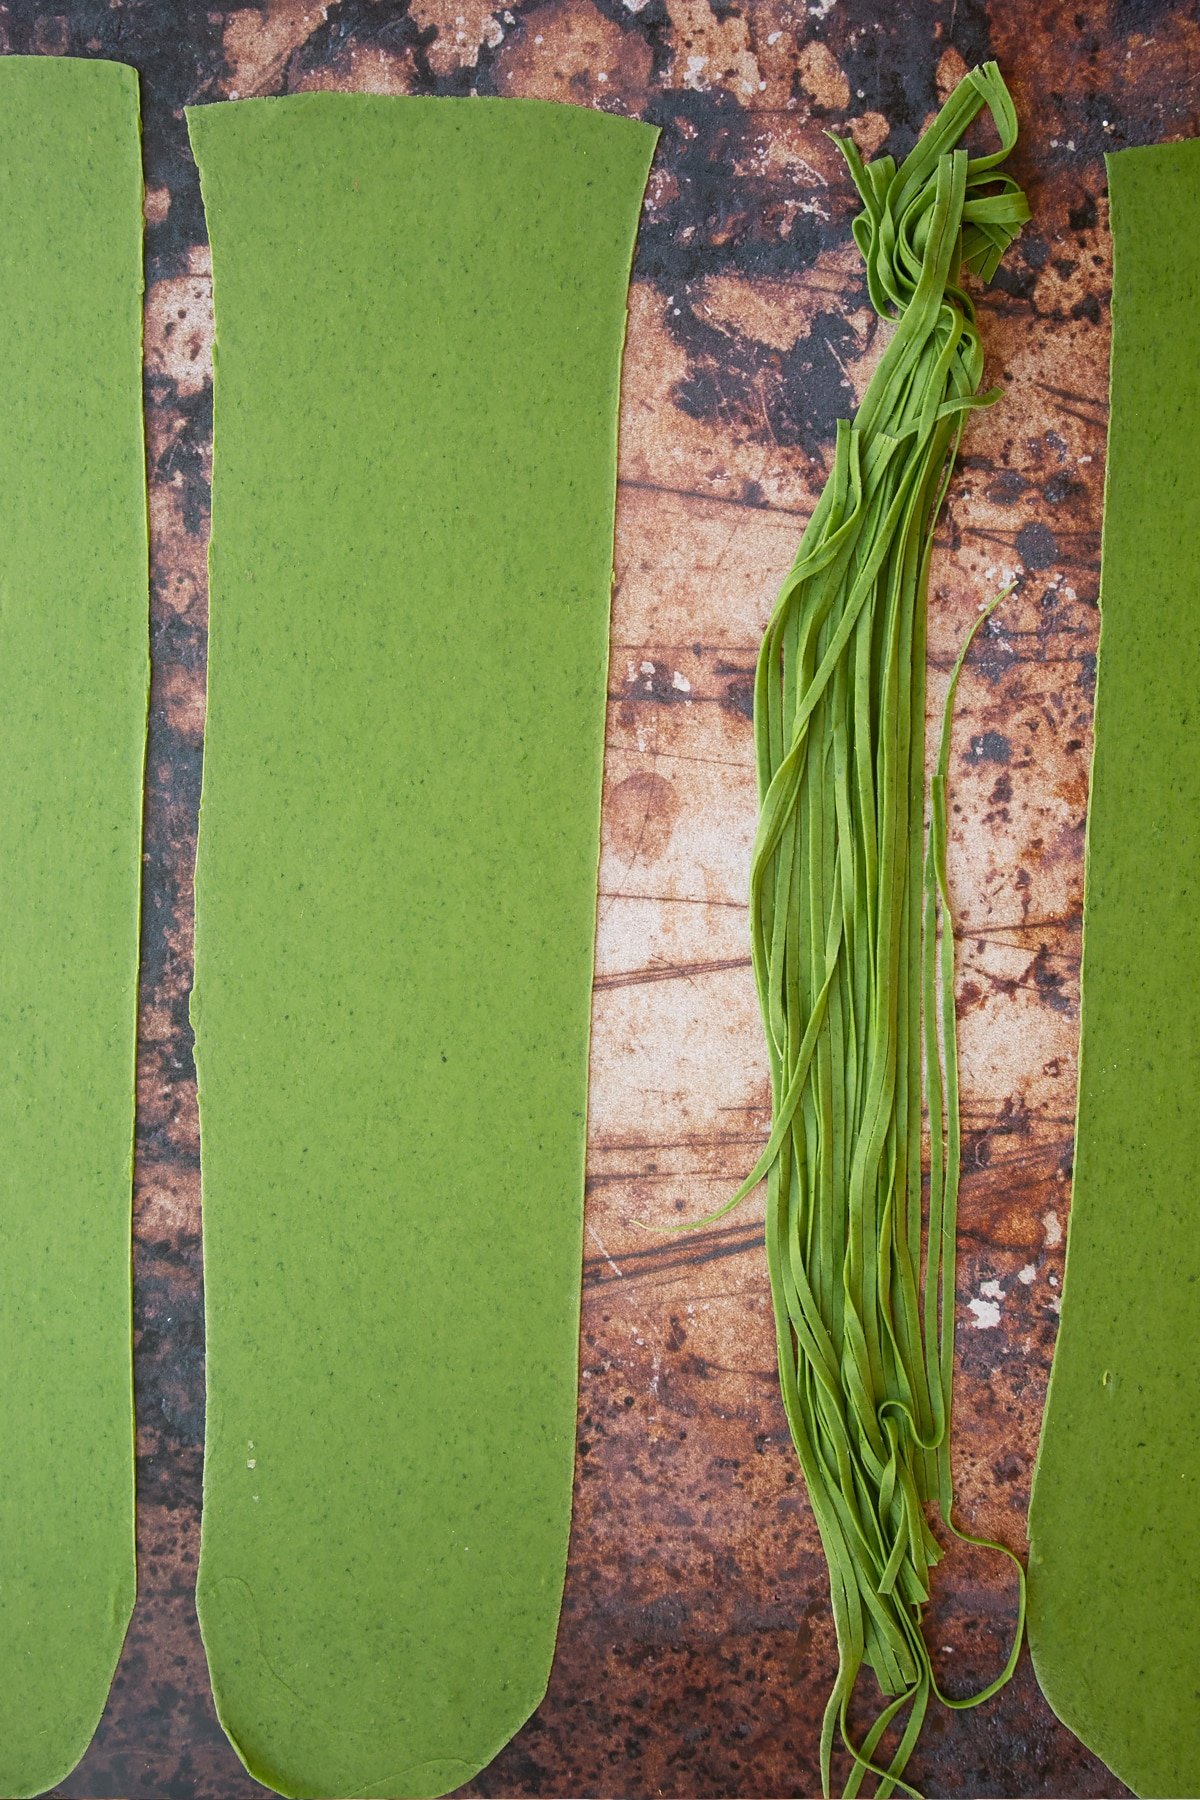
(420, 311)
(73, 684)
(1115, 1517)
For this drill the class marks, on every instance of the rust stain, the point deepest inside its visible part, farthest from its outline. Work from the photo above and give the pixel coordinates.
(641, 810)
(696, 1646)
(575, 52)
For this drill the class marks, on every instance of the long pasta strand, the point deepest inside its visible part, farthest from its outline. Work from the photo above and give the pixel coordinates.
(852, 943)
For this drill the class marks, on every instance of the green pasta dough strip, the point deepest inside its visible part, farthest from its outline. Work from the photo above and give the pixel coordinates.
(73, 684)
(420, 311)
(1114, 1522)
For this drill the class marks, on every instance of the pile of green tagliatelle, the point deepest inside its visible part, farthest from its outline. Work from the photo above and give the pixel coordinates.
(852, 942)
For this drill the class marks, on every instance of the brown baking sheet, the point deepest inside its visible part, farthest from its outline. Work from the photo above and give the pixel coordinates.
(696, 1646)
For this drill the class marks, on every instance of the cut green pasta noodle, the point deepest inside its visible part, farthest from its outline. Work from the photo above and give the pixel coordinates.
(852, 940)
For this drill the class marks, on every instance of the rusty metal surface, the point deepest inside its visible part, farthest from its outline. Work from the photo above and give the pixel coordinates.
(696, 1649)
